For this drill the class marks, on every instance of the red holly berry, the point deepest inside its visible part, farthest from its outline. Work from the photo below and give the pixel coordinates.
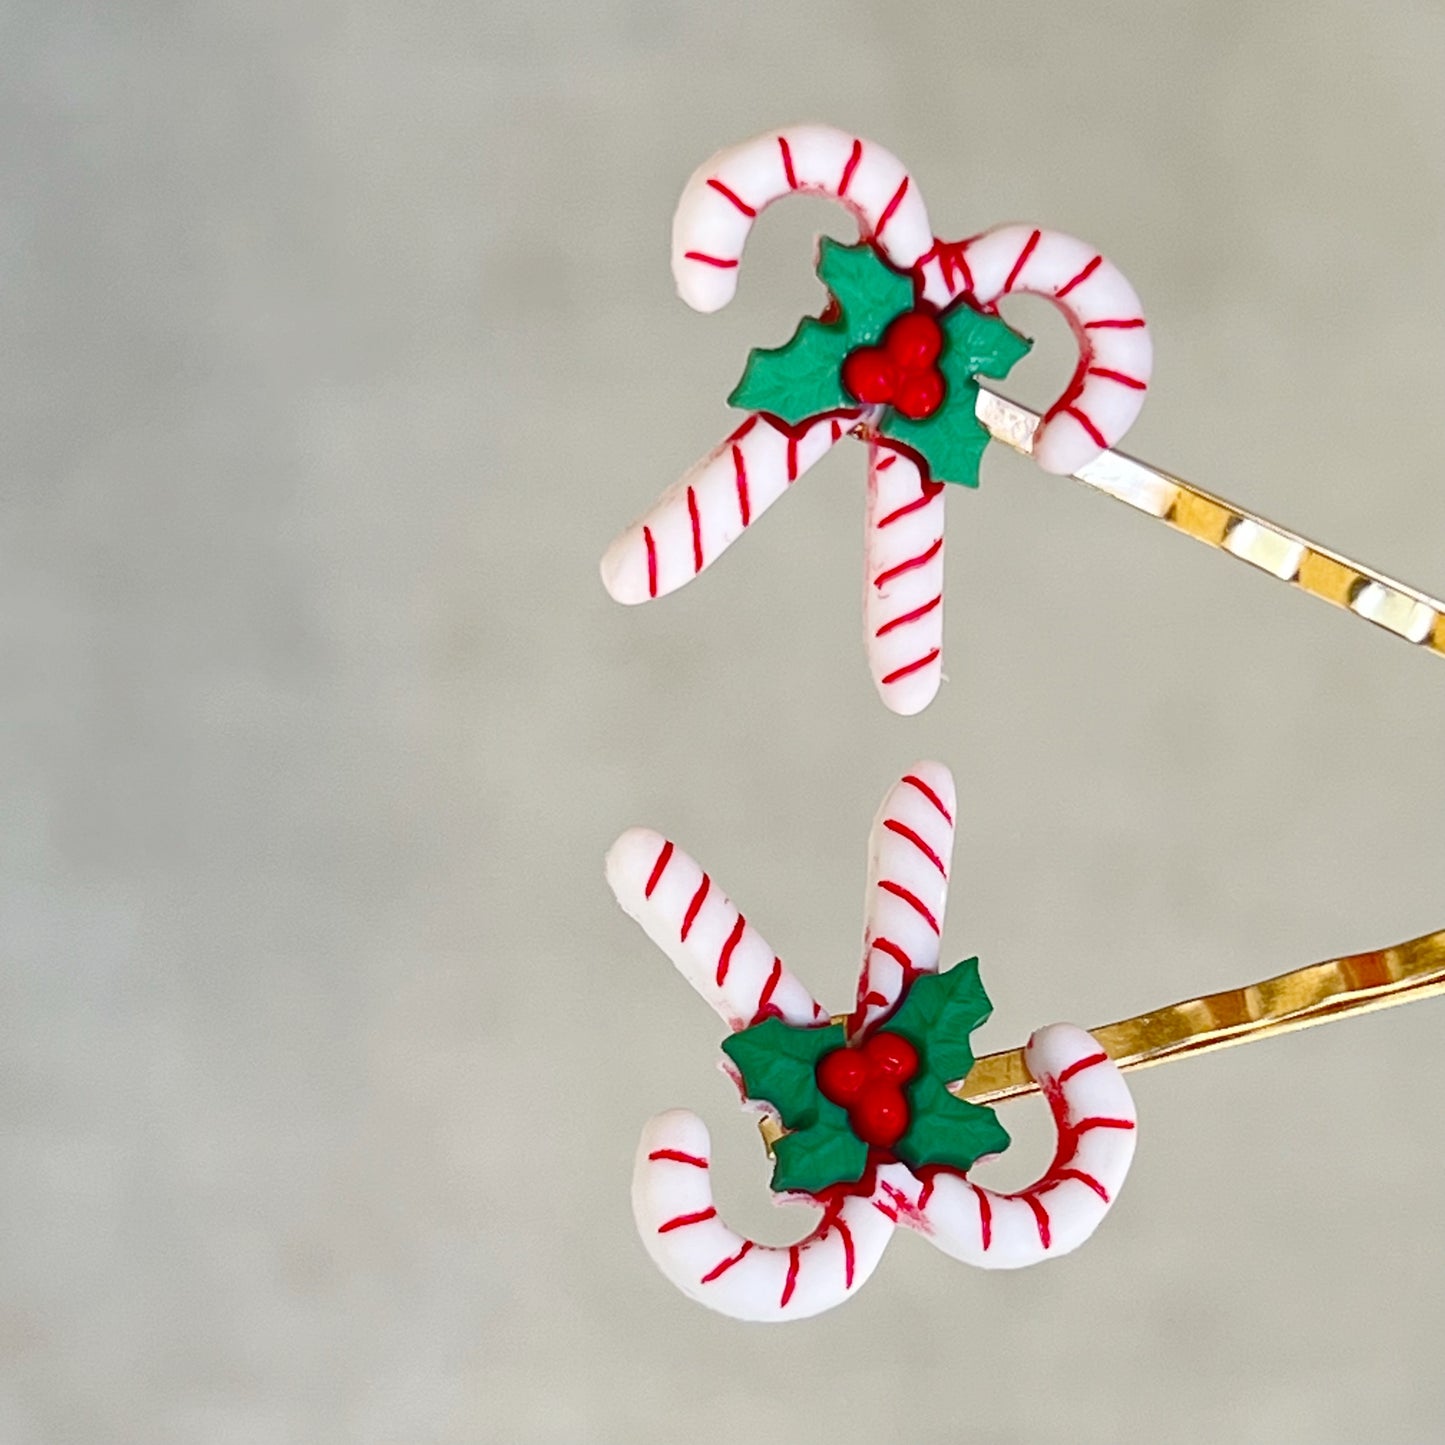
(913, 340)
(880, 1115)
(869, 375)
(919, 394)
(842, 1075)
(892, 1056)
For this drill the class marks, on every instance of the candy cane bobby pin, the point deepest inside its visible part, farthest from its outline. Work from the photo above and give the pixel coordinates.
(910, 325)
(878, 1117)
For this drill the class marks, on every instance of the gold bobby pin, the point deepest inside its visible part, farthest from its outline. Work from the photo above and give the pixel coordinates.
(1317, 994)
(1413, 615)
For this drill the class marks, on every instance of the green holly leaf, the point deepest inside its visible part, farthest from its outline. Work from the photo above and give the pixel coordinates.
(938, 1014)
(804, 376)
(951, 441)
(977, 343)
(799, 379)
(869, 292)
(944, 1129)
(827, 1152)
(779, 1065)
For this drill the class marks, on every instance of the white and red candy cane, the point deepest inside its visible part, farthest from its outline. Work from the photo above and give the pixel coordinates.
(910, 853)
(697, 519)
(730, 965)
(709, 942)
(1116, 356)
(903, 590)
(672, 1203)
(726, 194)
(1094, 1115)
(701, 515)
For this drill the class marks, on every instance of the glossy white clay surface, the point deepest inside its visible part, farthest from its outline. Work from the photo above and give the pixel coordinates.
(729, 964)
(706, 511)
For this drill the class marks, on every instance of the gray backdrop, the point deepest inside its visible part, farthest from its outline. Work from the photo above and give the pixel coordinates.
(338, 339)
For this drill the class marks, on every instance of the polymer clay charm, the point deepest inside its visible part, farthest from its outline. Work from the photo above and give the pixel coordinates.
(910, 323)
(875, 1135)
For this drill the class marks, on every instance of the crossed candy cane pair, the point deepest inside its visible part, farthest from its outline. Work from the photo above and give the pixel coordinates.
(728, 963)
(697, 519)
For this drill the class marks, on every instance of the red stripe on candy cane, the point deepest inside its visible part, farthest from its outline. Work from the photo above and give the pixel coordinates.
(740, 470)
(723, 263)
(1095, 435)
(892, 206)
(1132, 382)
(791, 1283)
(908, 617)
(846, 1235)
(1041, 1216)
(1079, 279)
(765, 998)
(651, 546)
(1023, 257)
(1083, 1179)
(853, 159)
(678, 1157)
(787, 154)
(696, 530)
(932, 797)
(887, 945)
(911, 899)
(732, 196)
(692, 908)
(725, 958)
(904, 831)
(658, 868)
(921, 560)
(930, 491)
(909, 668)
(683, 1220)
(1078, 1067)
(723, 1265)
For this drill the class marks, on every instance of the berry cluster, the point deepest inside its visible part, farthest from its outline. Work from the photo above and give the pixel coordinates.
(902, 372)
(868, 1082)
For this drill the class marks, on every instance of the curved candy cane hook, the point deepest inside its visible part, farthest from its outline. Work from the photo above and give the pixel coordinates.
(672, 1204)
(1094, 1114)
(725, 195)
(1116, 355)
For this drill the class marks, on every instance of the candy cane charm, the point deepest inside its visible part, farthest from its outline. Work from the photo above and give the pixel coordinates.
(874, 1136)
(910, 324)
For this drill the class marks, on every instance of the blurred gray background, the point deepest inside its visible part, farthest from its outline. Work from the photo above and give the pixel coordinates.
(336, 340)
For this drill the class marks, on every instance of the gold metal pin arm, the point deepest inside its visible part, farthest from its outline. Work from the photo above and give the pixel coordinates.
(1308, 996)
(1299, 1000)
(1409, 614)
